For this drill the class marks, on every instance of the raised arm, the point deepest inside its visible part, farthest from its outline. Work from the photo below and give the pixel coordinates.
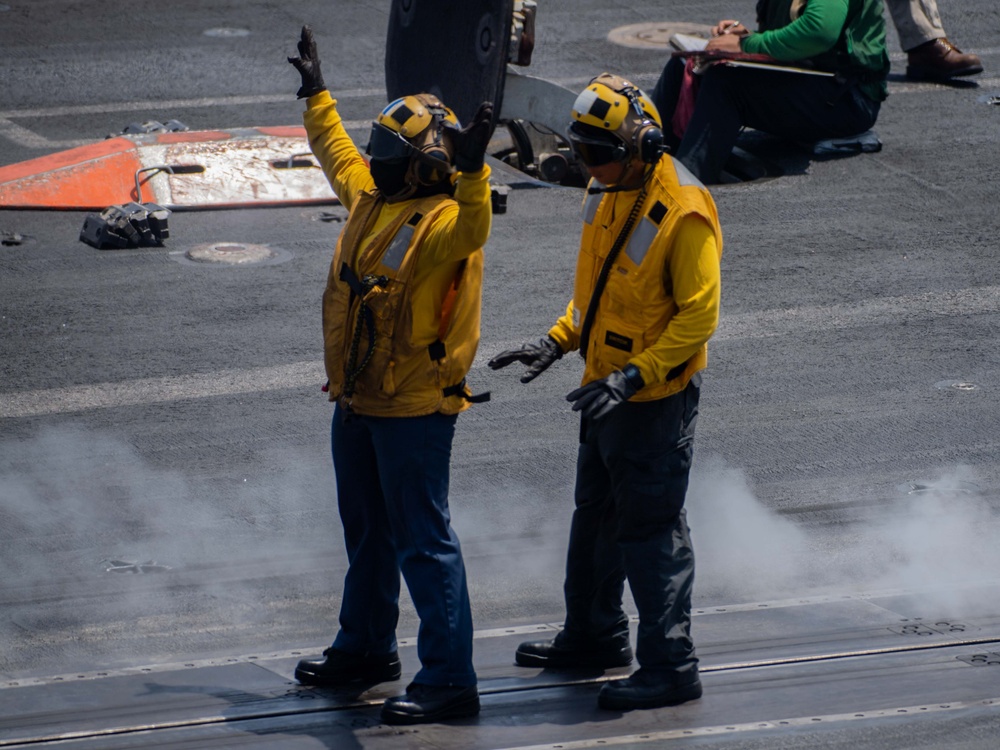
(338, 156)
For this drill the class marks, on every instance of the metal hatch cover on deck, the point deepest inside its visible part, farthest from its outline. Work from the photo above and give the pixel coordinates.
(266, 166)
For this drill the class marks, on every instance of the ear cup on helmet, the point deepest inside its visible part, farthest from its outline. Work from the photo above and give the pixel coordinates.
(648, 138)
(649, 143)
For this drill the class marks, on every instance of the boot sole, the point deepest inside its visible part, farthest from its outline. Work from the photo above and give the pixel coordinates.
(368, 678)
(921, 74)
(581, 661)
(460, 710)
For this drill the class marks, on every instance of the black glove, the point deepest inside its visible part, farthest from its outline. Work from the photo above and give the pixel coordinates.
(307, 63)
(598, 398)
(538, 357)
(472, 140)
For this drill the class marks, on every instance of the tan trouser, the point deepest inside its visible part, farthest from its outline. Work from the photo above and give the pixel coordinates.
(916, 21)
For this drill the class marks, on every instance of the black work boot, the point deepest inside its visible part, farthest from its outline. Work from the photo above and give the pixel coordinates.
(564, 653)
(341, 669)
(649, 689)
(429, 703)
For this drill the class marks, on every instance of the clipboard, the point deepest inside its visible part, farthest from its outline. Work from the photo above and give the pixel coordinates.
(694, 46)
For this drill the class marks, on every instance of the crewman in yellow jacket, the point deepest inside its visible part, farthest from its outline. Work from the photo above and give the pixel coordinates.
(401, 326)
(645, 302)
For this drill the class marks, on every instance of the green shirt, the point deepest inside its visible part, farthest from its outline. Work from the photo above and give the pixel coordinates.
(844, 36)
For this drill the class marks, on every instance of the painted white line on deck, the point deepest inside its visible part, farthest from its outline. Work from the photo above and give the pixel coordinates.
(768, 725)
(880, 312)
(158, 390)
(29, 139)
(739, 327)
(163, 104)
(877, 312)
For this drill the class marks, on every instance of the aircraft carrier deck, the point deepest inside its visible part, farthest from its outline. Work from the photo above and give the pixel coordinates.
(169, 543)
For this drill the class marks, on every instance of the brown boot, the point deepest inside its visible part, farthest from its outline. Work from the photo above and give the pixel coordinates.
(939, 60)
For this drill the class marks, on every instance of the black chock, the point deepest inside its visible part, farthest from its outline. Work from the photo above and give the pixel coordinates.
(498, 198)
(130, 225)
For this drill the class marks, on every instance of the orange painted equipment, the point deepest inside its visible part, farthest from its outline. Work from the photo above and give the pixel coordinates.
(267, 166)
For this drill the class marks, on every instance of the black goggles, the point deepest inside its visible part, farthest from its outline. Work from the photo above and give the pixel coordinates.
(594, 152)
(387, 145)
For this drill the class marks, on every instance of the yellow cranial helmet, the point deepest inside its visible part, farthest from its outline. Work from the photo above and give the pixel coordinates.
(418, 128)
(614, 120)
(412, 115)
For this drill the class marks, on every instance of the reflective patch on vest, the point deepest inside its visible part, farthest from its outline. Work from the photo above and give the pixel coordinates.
(590, 205)
(394, 254)
(576, 317)
(618, 341)
(657, 212)
(684, 176)
(641, 239)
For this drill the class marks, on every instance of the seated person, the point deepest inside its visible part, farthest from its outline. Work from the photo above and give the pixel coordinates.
(846, 37)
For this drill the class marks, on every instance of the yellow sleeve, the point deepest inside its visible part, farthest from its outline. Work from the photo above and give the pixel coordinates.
(340, 159)
(696, 282)
(463, 228)
(564, 332)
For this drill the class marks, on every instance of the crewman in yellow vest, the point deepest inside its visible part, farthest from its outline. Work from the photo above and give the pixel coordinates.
(645, 302)
(401, 326)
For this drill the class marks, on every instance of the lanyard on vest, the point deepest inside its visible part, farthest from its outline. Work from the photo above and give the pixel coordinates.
(602, 279)
(360, 288)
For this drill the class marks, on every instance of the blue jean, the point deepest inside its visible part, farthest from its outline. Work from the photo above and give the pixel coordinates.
(392, 491)
(629, 522)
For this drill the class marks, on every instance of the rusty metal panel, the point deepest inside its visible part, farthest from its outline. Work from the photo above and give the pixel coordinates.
(239, 171)
(211, 169)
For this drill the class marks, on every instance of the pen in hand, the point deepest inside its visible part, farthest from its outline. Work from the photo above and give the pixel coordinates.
(727, 36)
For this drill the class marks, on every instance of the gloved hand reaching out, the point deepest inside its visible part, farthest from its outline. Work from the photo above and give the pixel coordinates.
(538, 357)
(599, 397)
(307, 63)
(472, 140)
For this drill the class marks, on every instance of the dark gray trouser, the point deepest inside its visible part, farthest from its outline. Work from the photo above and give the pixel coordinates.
(629, 522)
(795, 106)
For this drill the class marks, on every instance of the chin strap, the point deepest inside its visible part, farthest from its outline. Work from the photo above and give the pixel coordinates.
(404, 194)
(648, 172)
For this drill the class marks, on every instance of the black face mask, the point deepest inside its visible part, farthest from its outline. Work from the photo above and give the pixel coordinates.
(391, 180)
(390, 176)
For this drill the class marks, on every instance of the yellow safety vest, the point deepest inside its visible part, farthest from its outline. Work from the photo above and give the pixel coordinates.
(636, 305)
(374, 366)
